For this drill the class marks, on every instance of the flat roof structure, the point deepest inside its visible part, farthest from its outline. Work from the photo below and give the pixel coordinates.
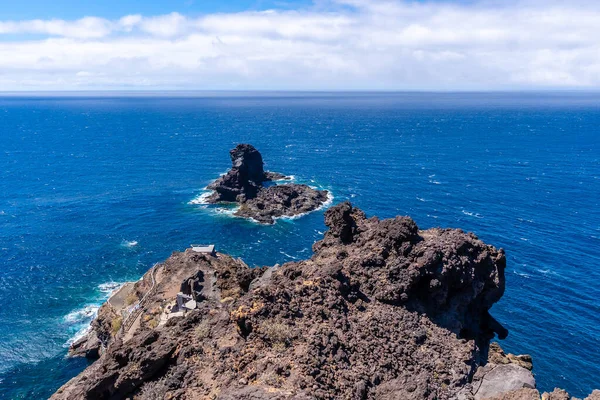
(204, 248)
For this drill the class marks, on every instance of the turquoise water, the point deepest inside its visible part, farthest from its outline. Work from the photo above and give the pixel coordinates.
(94, 190)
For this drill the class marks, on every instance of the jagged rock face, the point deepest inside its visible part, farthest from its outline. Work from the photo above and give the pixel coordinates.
(100, 334)
(248, 162)
(243, 184)
(282, 200)
(509, 377)
(381, 311)
(245, 177)
(448, 274)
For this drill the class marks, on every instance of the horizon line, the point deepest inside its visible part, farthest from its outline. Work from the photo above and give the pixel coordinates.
(181, 92)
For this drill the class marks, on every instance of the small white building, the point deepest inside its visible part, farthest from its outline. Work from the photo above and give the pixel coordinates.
(204, 249)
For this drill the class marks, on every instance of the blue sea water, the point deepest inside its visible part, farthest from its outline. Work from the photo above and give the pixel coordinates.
(95, 189)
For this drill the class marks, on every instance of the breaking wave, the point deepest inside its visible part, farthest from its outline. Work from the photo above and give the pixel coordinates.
(79, 320)
(129, 243)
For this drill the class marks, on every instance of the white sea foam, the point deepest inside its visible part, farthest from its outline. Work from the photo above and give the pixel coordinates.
(129, 243)
(525, 220)
(421, 199)
(546, 272)
(325, 205)
(82, 317)
(526, 276)
(80, 333)
(86, 313)
(328, 202)
(201, 199)
(109, 287)
(472, 214)
(287, 255)
(230, 211)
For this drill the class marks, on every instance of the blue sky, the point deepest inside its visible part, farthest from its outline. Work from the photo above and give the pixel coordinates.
(299, 45)
(73, 9)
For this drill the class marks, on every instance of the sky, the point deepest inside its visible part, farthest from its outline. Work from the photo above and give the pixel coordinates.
(299, 45)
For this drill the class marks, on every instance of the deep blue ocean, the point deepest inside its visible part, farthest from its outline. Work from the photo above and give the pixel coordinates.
(95, 190)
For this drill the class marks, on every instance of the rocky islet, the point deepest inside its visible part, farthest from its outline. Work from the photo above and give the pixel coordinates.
(244, 184)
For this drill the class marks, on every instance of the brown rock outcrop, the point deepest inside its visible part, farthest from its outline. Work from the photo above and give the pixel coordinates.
(381, 310)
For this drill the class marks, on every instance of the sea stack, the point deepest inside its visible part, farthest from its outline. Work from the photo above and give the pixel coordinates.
(244, 184)
(243, 180)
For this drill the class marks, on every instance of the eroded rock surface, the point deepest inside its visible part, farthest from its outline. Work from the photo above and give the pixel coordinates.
(382, 310)
(244, 179)
(282, 200)
(503, 379)
(243, 184)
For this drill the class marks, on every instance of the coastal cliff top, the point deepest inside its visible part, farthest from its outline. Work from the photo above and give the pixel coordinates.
(382, 310)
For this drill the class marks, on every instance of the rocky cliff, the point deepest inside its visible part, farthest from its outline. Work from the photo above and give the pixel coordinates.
(382, 310)
(243, 184)
(244, 179)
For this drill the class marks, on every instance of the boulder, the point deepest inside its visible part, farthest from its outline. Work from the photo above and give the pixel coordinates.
(503, 379)
(88, 346)
(497, 356)
(521, 394)
(557, 394)
(594, 396)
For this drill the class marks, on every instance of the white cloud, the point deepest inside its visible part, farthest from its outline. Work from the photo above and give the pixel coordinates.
(339, 44)
(129, 22)
(166, 25)
(88, 27)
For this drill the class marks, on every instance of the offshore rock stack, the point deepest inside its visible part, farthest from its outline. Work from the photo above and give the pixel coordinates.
(243, 184)
(382, 310)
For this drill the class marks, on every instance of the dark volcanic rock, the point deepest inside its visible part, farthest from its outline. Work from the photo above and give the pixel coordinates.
(381, 311)
(282, 200)
(100, 334)
(244, 179)
(244, 184)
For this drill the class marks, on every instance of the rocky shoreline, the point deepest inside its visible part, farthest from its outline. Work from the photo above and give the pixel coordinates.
(382, 310)
(244, 184)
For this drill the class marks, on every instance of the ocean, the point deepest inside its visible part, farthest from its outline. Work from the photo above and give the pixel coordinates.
(95, 189)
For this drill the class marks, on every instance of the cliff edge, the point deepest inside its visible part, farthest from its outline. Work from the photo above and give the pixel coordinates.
(382, 310)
